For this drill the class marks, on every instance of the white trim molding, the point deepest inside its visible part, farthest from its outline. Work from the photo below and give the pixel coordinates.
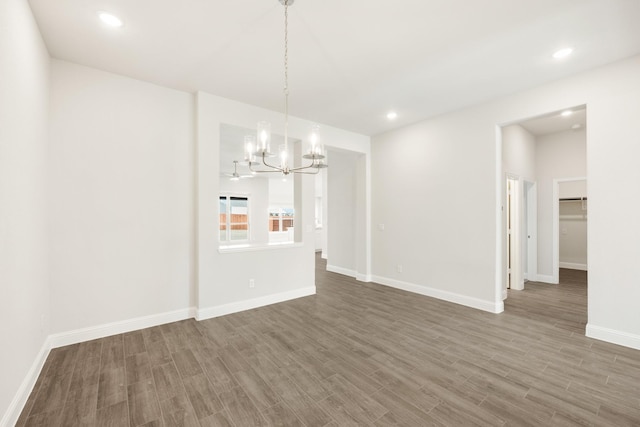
(343, 271)
(235, 307)
(613, 336)
(108, 329)
(573, 266)
(12, 414)
(490, 306)
(546, 279)
(363, 277)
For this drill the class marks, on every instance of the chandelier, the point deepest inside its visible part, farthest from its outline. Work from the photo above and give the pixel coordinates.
(257, 150)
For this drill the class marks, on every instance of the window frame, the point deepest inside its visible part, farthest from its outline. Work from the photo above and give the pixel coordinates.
(228, 221)
(281, 217)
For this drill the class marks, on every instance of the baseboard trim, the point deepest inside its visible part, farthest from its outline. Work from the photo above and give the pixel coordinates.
(108, 329)
(613, 336)
(545, 279)
(573, 266)
(235, 307)
(363, 277)
(12, 414)
(343, 271)
(490, 306)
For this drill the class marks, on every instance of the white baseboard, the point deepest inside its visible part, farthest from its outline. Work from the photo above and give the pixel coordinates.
(363, 277)
(101, 331)
(545, 279)
(490, 306)
(613, 336)
(573, 266)
(505, 294)
(343, 271)
(235, 307)
(12, 414)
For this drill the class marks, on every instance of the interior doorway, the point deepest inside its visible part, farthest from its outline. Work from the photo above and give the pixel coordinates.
(570, 226)
(538, 156)
(513, 233)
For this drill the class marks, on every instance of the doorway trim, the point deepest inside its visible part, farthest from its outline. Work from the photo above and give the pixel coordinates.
(513, 251)
(530, 192)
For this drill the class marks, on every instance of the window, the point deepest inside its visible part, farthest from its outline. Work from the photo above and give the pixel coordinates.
(280, 219)
(234, 219)
(280, 224)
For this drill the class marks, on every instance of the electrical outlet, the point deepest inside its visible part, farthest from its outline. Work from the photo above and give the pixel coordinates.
(252, 283)
(399, 268)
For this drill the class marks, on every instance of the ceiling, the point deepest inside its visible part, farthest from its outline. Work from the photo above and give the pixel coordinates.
(557, 122)
(351, 61)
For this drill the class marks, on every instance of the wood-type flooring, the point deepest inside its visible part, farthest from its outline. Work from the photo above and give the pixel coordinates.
(354, 354)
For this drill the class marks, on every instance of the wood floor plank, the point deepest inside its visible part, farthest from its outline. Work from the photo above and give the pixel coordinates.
(353, 354)
(52, 393)
(167, 381)
(280, 415)
(116, 415)
(158, 352)
(218, 373)
(133, 343)
(137, 368)
(178, 412)
(257, 389)
(186, 363)
(202, 395)
(111, 387)
(143, 403)
(242, 410)
(221, 419)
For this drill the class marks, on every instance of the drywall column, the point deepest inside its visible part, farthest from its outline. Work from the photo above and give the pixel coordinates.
(24, 271)
(558, 156)
(342, 216)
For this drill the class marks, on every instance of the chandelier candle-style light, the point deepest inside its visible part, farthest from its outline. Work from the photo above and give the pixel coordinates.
(257, 150)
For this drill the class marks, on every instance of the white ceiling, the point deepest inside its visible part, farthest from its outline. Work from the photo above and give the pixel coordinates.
(350, 60)
(556, 122)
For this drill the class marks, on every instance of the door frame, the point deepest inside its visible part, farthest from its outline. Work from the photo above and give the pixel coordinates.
(515, 256)
(531, 220)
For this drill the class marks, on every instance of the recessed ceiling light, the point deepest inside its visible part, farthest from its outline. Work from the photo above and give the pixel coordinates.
(566, 113)
(563, 53)
(110, 20)
(392, 115)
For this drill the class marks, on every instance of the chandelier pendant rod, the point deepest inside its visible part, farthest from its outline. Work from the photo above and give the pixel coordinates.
(286, 85)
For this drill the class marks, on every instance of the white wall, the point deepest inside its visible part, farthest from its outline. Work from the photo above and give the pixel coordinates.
(434, 190)
(280, 272)
(341, 215)
(281, 191)
(519, 163)
(24, 290)
(121, 198)
(559, 155)
(519, 152)
(450, 242)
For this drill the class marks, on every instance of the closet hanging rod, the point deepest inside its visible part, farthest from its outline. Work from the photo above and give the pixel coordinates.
(572, 199)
